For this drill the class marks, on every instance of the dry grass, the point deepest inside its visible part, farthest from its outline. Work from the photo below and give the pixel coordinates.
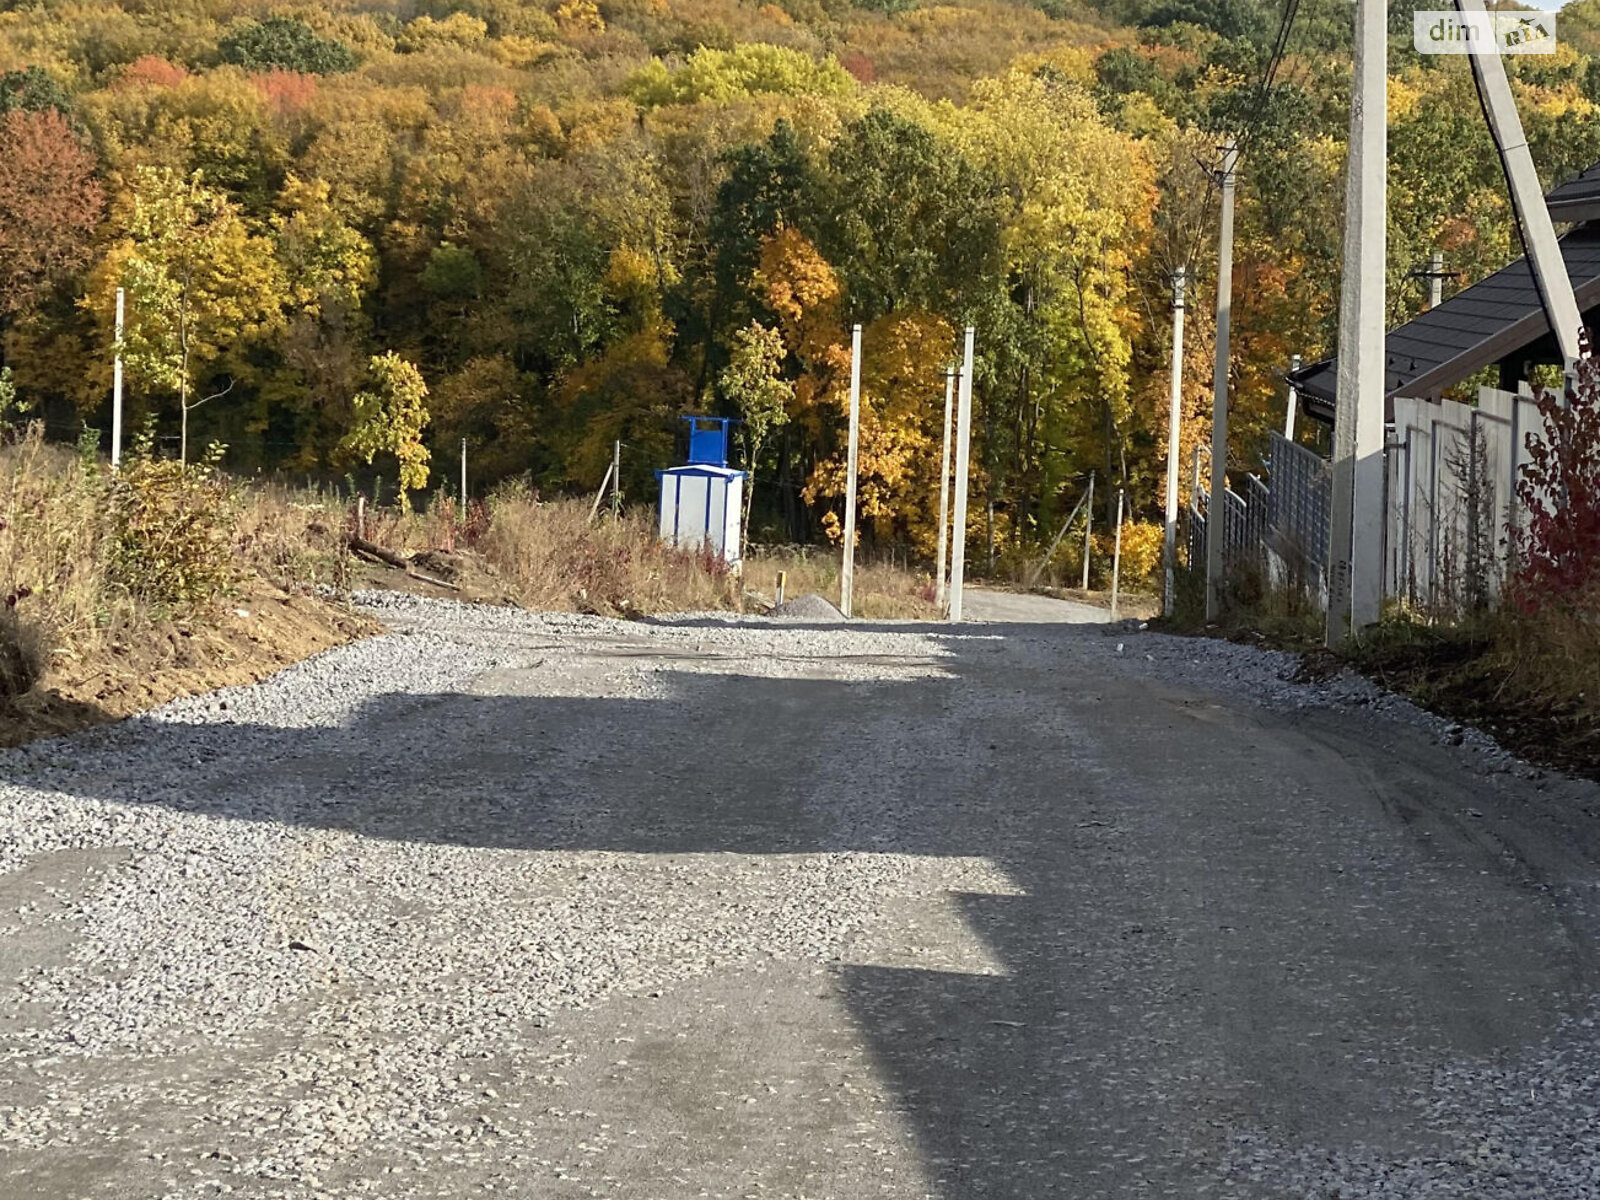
(1549, 660)
(1532, 679)
(53, 552)
(553, 558)
(77, 647)
(294, 537)
(883, 591)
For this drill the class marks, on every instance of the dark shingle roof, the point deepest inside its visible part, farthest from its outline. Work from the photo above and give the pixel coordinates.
(1577, 199)
(1476, 327)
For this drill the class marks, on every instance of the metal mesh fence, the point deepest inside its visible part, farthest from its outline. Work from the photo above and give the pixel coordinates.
(1298, 503)
(1282, 526)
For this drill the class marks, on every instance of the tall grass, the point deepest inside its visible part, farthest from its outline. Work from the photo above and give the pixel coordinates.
(554, 557)
(54, 579)
(557, 559)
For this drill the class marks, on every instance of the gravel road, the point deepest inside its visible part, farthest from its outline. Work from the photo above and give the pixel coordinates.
(555, 906)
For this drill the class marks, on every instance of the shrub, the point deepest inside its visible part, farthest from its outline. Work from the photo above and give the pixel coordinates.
(1559, 549)
(171, 527)
(10, 408)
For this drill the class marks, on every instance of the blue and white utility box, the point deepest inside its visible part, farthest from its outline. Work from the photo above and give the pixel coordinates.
(702, 502)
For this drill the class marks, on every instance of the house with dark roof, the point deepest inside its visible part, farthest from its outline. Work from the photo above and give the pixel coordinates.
(1497, 322)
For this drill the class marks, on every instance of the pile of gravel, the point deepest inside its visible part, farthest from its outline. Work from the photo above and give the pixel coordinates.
(809, 607)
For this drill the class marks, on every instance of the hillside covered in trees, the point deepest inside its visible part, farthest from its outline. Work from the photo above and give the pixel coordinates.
(569, 221)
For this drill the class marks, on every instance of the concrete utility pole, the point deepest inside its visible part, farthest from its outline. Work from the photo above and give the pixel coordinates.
(616, 476)
(1116, 558)
(116, 392)
(1169, 547)
(1216, 506)
(847, 577)
(1294, 401)
(1355, 558)
(1538, 231)
(1435, 279)
(1088, 531)
(958, 532)
(941, 587)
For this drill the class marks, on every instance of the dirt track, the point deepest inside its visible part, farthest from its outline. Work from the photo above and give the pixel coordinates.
(561, 907)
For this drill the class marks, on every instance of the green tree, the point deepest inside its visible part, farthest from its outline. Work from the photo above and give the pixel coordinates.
(286, 43)
(200, 285)
(910, 223)
(32, 89)
(753, 380)
(390, 416)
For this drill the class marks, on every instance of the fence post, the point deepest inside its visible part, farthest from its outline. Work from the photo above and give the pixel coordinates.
(616, 479)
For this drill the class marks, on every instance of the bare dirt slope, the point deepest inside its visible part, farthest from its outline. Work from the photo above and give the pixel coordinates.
(249, 636)
(554, 906)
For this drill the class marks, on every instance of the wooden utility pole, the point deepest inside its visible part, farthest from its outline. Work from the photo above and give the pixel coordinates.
(1169, 547)
(941, 586)
(958, 532)
(847, 576)
(1355, 556)
(1216, 505)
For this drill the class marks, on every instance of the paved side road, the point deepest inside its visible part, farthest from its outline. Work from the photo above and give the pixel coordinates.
(559, 907)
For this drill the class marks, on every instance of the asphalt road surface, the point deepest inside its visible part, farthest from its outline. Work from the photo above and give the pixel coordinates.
(561, 907)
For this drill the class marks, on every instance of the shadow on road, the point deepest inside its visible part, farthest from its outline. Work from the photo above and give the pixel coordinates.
(1221, 926)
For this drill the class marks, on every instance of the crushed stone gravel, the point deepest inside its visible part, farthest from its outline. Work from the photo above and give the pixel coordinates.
(226, 884)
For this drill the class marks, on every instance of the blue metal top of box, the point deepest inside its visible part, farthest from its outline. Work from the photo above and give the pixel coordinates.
(708, 440)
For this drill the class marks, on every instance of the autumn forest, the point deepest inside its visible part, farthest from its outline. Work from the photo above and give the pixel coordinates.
(356, 232)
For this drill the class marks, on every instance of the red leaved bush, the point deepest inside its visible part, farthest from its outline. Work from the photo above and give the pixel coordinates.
(286, 91)
(151, 70)
(1559, 549)
(50, 203)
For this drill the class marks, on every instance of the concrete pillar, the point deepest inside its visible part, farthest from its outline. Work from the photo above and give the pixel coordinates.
(1355, 560)
(847, 574)
(1216, 507)
(958, 531)
(1174, 425)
